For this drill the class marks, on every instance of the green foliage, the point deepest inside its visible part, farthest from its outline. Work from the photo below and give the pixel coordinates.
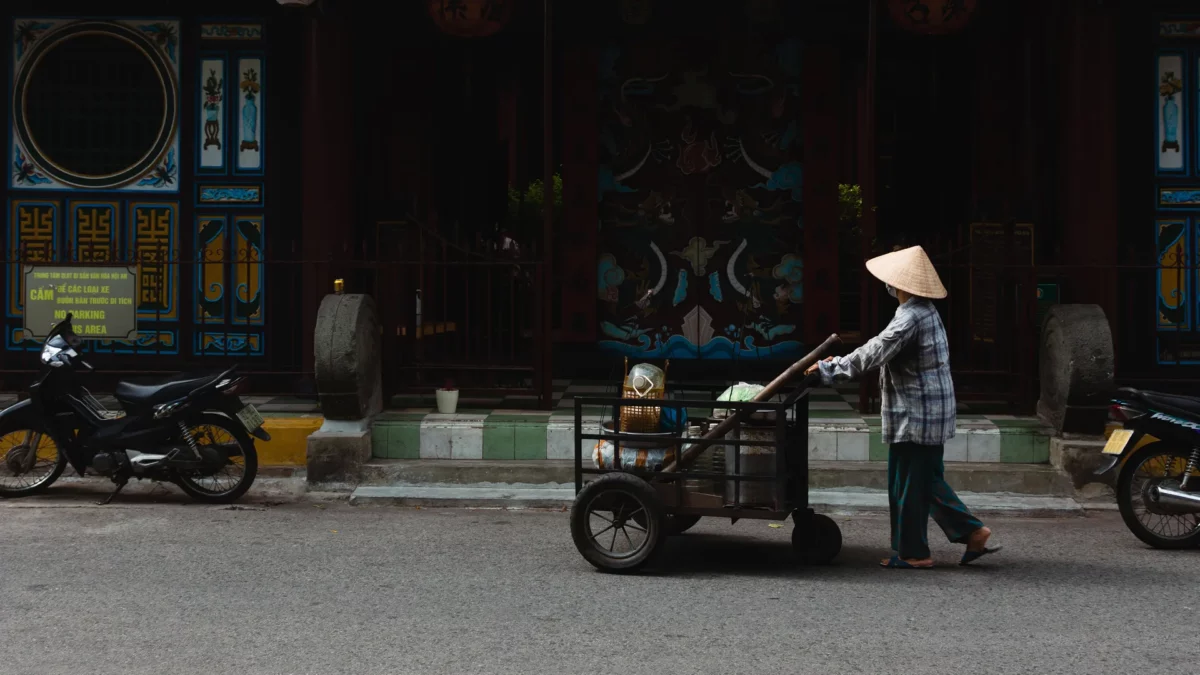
(849, 202)
(525, 207)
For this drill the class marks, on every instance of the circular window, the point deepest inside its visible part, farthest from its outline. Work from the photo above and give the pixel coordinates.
(95, 105)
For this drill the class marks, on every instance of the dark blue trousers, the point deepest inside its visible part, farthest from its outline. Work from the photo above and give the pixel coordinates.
(917, 489)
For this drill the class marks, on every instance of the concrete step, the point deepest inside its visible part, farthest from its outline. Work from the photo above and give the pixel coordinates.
(559, 496)
(976, 477)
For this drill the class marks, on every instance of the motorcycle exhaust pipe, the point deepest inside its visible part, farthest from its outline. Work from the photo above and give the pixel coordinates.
(1178, 500)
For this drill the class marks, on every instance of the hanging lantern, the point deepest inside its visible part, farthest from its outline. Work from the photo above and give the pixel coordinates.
(932, 17)
(470, 18)
(636, 12)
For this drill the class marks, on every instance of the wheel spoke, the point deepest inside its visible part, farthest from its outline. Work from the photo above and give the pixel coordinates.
(594, 536)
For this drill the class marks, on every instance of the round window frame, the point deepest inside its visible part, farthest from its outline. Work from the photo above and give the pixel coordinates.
(163, 141)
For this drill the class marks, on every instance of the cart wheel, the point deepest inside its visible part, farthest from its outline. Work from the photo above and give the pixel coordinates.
(618, 523)
(820, 542)
(678, 524)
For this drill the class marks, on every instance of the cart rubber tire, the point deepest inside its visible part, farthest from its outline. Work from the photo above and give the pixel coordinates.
(628, 486)
(678, 524)
(820, 542)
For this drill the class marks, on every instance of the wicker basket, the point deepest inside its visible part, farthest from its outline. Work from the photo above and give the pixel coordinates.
(641, 419)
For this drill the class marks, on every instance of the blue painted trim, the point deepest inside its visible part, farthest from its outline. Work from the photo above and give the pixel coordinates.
(10, 311)
(178, 88)
(198, 340)
(172, 251)
(1160, 206)
(1187, 305)
(120, 347)
(1185, 114)
(198, 131)
(261, 203)
(261, 170)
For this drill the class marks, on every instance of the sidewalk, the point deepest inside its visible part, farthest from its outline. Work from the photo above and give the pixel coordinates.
(837, 432)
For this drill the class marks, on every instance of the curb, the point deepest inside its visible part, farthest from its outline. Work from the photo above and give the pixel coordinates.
(559, 496)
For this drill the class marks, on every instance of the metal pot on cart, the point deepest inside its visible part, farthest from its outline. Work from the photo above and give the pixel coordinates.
(648, 486)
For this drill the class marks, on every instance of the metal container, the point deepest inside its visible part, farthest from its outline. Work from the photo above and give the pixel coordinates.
(756, 460)
(712, 460)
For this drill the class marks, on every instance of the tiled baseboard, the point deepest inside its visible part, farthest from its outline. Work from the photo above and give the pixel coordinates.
(511, 435)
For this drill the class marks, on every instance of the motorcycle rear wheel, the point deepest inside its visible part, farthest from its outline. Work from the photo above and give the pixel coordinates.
(224, 486)
(1156, 463)
(21, 477)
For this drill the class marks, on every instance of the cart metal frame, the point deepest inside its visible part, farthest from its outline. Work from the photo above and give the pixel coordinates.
(789, 481)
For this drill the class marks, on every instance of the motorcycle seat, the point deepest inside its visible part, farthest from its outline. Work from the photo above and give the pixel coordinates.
(155, 390)
(1188, 404)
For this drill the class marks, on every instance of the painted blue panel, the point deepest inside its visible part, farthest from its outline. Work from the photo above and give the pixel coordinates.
(229, 343)
(1172, 133)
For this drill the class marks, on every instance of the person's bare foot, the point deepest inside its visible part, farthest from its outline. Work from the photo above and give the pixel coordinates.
(979, 539)
(915, 562)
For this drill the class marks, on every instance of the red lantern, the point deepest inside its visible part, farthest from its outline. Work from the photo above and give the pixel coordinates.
(470, 18)
(932, 17)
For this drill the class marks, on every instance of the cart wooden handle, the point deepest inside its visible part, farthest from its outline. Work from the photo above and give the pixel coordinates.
(718, 432)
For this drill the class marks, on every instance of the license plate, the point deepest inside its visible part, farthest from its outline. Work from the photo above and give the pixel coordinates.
(1117, 441)
(250, 418)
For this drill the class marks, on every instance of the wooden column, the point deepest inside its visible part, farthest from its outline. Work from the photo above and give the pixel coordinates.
(822, 70)
(1088, 136)
(579, 149)
(327, 222)
(867, 181)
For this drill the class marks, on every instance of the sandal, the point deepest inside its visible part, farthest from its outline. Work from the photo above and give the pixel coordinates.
(971, 556)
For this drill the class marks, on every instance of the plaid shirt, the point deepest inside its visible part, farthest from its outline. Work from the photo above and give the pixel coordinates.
(913, 359)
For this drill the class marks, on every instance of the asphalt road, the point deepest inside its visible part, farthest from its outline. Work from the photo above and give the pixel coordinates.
(326, 588)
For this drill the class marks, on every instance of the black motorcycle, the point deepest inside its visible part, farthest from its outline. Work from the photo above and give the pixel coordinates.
(191, 430)
(1158, 486)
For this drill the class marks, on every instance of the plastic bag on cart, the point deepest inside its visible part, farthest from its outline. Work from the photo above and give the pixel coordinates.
(742, 391)
(641, 459)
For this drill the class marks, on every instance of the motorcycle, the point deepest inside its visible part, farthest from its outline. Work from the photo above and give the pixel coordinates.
(1158, 484)
(191, 430)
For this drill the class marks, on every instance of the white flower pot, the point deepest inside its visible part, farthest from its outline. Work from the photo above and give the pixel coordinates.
(447, 400)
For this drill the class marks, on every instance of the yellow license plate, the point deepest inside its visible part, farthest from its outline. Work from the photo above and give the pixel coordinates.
(1117, 441)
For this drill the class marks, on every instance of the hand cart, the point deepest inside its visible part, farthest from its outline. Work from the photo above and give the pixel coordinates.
(649, 487)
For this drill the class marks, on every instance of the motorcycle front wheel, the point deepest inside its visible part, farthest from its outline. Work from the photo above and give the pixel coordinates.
(1161, 527)
(30, 461)
(213, 432)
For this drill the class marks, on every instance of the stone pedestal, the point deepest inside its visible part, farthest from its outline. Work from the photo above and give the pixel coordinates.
(349, 384)
(1076, 369)
(338, 450)
(1078, 457)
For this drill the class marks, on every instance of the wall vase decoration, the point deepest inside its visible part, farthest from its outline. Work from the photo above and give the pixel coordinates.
(1169, 87)
(250, 111)
(212, 110)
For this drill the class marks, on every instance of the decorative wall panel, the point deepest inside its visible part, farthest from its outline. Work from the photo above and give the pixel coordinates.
(1172, 132)
(93, 231)
(211, 253)
(212, 135)
(249, 119)
(700, 191)
(95, 105)
(1173, 304)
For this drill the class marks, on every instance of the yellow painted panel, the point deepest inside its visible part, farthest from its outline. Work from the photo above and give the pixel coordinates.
(289, 440)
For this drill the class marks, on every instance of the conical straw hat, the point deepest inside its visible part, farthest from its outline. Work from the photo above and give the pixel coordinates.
(908, 270)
